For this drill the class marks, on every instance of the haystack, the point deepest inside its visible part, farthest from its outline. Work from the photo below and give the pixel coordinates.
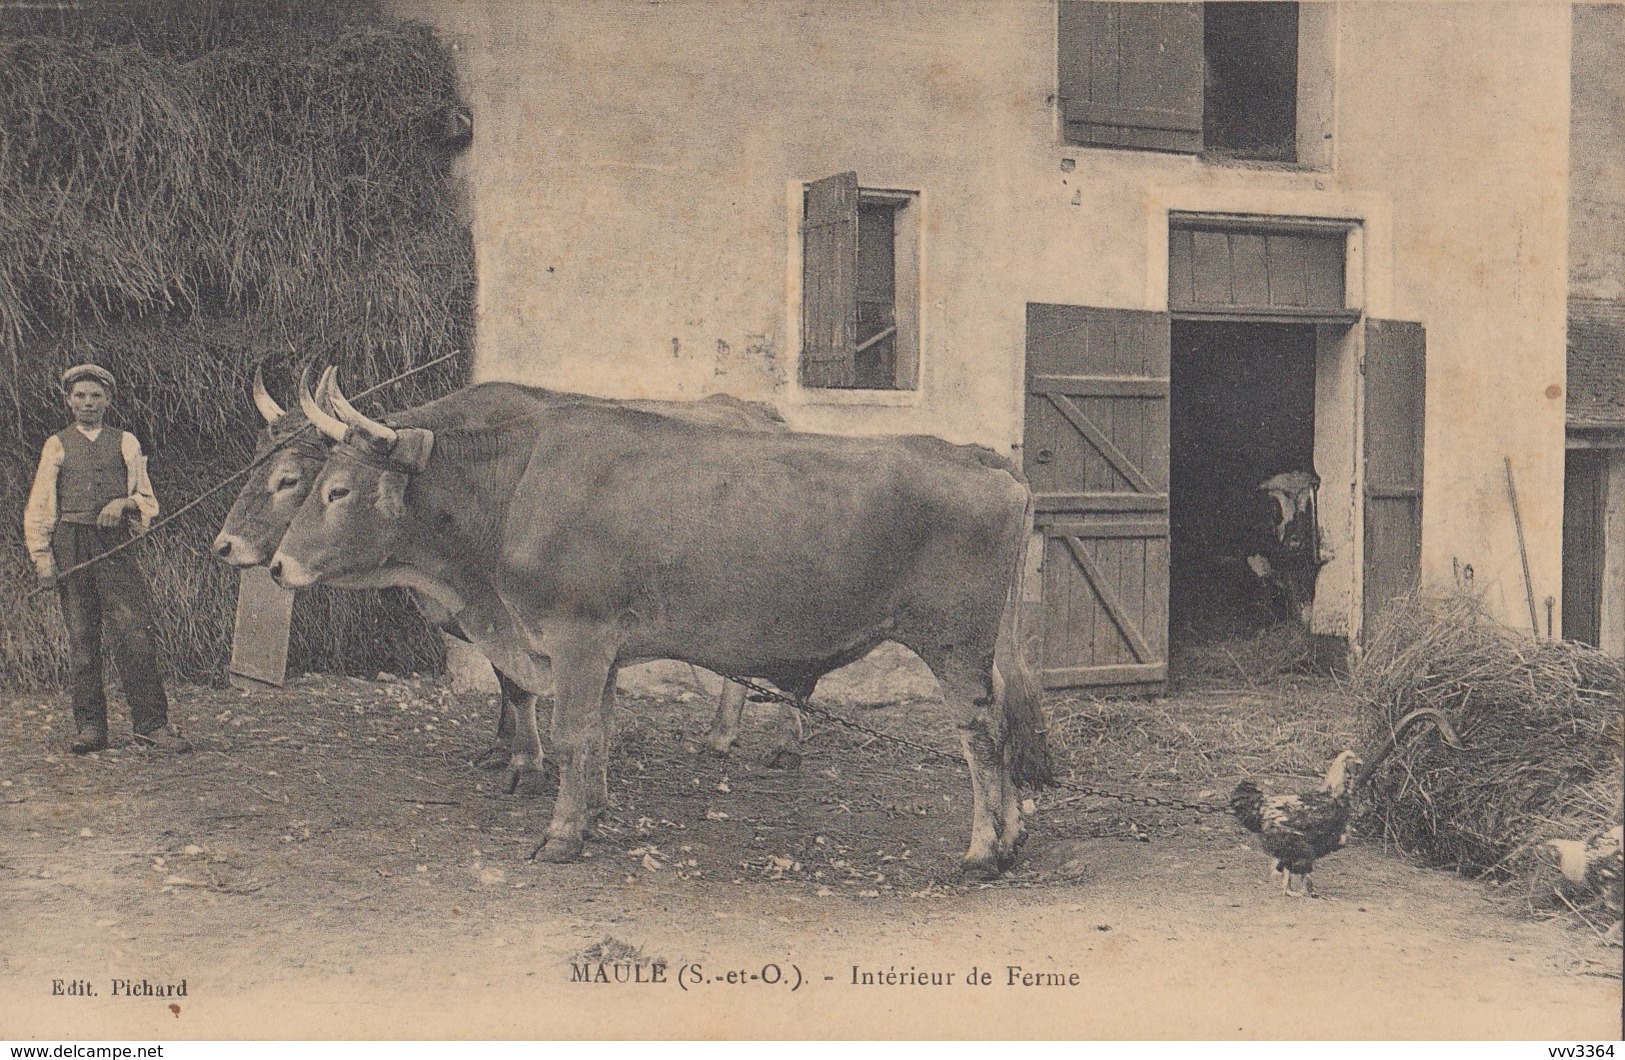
(1542, 725)
(191, 189)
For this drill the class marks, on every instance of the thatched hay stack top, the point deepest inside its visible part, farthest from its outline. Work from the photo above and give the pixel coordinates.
(294, 181)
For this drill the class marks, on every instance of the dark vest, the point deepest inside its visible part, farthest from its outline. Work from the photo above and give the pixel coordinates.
(92, 474)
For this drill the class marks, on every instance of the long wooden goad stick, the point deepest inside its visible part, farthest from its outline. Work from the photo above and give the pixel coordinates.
(228, 480)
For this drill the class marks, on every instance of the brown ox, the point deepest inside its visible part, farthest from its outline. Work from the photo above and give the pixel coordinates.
(612, 535)
(290, 453)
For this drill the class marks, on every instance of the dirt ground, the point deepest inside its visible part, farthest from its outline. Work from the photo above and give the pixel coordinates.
(329, 864)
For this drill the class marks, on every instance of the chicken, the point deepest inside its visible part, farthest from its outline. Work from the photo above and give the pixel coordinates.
(1596, 867)
(1297, 829)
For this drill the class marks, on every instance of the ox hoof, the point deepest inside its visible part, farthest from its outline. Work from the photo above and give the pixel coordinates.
(493, 757)
(557, 850)
(521, 766)
(980, 868)
(784, 758)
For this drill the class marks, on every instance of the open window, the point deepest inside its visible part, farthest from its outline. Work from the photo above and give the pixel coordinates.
(1217, 78)
(1250, 90)
(860, 286)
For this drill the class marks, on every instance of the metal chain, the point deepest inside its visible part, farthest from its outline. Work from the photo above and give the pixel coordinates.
(760, 693)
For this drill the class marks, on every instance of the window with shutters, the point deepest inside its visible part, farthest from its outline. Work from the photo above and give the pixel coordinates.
(860, 286)
(1219, 79)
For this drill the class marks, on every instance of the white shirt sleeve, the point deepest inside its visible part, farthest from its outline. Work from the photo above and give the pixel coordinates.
(39, 517)
(140, 486)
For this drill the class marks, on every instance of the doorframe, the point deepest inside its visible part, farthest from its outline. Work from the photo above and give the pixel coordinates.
(1368, 286)
(1339, 382)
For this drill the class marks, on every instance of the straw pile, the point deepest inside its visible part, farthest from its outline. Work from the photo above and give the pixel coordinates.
(1251, 659)
(187, 190)
(1542, 725)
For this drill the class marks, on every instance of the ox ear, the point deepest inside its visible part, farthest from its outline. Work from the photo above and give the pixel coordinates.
(412, 449)
(391, 501)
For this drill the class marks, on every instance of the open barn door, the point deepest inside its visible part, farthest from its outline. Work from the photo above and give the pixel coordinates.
(1096, 453)
(1395, 377)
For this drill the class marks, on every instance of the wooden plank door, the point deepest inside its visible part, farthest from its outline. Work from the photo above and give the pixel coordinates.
(1395, 389)
(1584, 518)
(1096, 454)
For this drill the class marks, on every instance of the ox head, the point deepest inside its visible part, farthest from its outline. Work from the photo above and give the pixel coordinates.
(355, 508)
(287, 456)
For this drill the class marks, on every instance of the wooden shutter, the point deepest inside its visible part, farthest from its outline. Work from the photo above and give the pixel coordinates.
(1130, 75)
(1096, 454)
(259, 643)
(1395, 378)
(829, 281)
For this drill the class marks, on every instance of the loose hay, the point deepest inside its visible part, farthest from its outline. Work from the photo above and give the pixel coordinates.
(1542, 725)
(1253, 659)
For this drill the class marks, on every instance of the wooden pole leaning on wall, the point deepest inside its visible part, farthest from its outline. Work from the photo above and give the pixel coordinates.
(1523, 550)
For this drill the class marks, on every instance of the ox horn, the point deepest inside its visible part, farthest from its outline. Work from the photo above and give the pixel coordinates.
(374, 431)
(263, 400)
(319, 417)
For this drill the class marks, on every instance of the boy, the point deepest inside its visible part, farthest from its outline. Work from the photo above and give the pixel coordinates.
(91, 480)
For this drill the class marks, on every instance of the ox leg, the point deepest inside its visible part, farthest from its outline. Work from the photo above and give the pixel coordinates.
(981, 754)
(599, 776)
(509, 701)
(786, 752)
(525, 755)
(580, 739)
(1012, 833)
(725, 726)
(970, 694)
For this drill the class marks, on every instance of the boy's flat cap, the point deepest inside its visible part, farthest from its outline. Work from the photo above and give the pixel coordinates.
(87, 371)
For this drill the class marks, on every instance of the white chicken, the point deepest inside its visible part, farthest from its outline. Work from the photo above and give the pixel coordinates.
(1596, 867)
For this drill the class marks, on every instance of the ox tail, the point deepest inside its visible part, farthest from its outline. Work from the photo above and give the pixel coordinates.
(1024, 722)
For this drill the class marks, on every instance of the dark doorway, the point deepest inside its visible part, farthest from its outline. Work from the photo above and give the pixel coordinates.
(1242, 410)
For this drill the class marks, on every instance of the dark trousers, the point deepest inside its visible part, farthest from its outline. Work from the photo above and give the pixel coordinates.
(112, 593)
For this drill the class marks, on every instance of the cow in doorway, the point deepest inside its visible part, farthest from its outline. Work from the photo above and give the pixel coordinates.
(1288, 551)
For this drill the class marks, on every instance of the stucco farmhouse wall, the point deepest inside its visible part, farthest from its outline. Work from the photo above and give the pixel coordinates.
(635, 179)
